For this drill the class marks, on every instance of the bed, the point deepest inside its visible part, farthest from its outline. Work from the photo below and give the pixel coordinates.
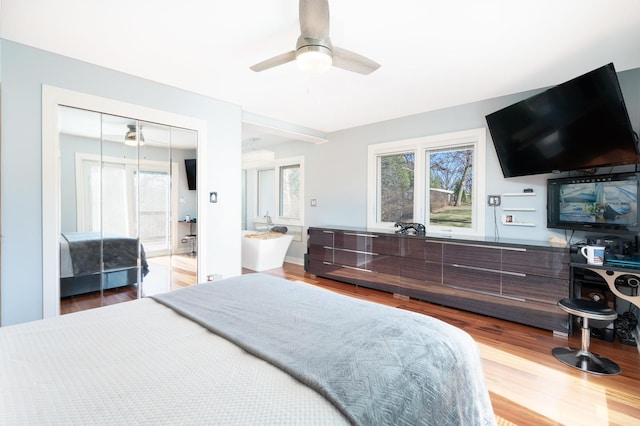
(253, 349)
(90, 261)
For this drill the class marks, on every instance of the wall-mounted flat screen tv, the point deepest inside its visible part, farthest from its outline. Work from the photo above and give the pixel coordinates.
(580, 124)
(605, 203)
(190, 166)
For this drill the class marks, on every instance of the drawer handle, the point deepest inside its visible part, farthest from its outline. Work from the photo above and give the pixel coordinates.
(515, 274)
(486, 246)
(355, 251)
(476, 268)
(360, 235)
(357, 269)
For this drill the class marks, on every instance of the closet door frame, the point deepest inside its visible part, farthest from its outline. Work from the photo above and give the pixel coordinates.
(52, 99)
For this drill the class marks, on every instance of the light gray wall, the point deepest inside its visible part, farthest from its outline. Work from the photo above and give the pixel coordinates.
(336, 172)
(24, 71)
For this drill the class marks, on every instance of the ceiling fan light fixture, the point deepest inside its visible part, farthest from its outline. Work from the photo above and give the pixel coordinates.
(130, 137)
(314, 59)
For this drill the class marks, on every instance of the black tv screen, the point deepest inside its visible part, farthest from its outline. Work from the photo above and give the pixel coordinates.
(190, 166)
(604, 203)
(580, 124)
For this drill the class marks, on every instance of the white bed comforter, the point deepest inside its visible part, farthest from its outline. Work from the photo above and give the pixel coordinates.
(61, 371)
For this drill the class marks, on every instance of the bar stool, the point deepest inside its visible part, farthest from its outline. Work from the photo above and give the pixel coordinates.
(582, 358)
(192, 238)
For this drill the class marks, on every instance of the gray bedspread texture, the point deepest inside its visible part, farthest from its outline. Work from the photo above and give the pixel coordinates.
(89, 249)
(379, 365)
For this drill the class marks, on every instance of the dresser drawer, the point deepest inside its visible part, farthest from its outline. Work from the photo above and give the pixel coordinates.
(485, 257)
(545, 263)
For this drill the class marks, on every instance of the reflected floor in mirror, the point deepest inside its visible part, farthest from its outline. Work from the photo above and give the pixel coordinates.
(165, 273)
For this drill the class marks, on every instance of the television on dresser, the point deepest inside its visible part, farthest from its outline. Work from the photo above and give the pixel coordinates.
(580, 124)
(190, 166)
(600, 203)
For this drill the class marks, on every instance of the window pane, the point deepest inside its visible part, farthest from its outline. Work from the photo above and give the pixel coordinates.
(290, 191)
(114, 202)
(450, 187)
(91, 197)
(154, 193)
(396, 187)
(266, 194)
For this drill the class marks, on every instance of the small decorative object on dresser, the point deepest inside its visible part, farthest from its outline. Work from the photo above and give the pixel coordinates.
(404, 228)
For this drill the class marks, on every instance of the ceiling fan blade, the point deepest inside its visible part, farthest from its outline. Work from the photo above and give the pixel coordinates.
(314, 18)
(352, 61)
(275, 61)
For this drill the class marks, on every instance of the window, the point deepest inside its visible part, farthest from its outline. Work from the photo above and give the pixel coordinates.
(105, 197)
(436, 180)
(395, 199)
(154, 205)
(280, 192)
(119, 196)
(449, 175)
(266, 192)
(289, 206)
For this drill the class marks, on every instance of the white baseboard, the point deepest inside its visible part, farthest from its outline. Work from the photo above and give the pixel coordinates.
(294, 260)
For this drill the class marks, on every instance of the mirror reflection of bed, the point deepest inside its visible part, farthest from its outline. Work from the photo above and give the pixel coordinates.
(123, 183)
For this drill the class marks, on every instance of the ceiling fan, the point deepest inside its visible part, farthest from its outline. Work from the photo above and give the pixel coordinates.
(314, 51)
(130, 138)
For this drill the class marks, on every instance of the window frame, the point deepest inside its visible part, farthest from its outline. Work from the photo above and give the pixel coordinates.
(420, 147)
(276, 217)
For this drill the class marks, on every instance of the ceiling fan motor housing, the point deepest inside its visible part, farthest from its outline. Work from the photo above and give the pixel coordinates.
(308, 44)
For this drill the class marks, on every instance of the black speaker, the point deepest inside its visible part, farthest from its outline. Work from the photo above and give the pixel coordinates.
(607, 334)
(601, 294)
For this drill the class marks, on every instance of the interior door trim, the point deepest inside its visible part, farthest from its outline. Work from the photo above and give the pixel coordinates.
(54, 97)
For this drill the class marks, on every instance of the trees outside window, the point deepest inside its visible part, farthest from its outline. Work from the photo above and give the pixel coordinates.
(435, 180)
(396, 187)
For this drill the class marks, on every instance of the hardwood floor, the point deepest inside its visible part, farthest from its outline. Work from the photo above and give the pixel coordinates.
(165, 273)
(527, 385)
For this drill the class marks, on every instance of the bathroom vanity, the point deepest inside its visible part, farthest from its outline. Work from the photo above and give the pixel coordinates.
(515, 280)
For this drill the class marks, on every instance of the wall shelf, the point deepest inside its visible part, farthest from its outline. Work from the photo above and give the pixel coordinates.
(509, 219)
(519, 194)
(519, 209)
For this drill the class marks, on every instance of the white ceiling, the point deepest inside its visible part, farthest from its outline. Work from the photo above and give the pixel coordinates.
(434, 53)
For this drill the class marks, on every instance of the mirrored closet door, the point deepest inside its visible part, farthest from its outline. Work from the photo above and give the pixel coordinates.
(125, 199)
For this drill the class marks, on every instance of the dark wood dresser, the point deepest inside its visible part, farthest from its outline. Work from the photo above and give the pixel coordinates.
(515, 280)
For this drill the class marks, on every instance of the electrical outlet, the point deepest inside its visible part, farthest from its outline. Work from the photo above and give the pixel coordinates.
(493, 200)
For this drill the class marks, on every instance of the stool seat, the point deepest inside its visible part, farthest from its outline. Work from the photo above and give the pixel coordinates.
(588, 309)
(582, 358)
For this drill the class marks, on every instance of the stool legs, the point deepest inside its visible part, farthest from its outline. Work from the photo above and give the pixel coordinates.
(584, 360)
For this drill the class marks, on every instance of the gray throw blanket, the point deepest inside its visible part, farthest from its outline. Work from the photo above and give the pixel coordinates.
(90, 250)
(379, 365)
